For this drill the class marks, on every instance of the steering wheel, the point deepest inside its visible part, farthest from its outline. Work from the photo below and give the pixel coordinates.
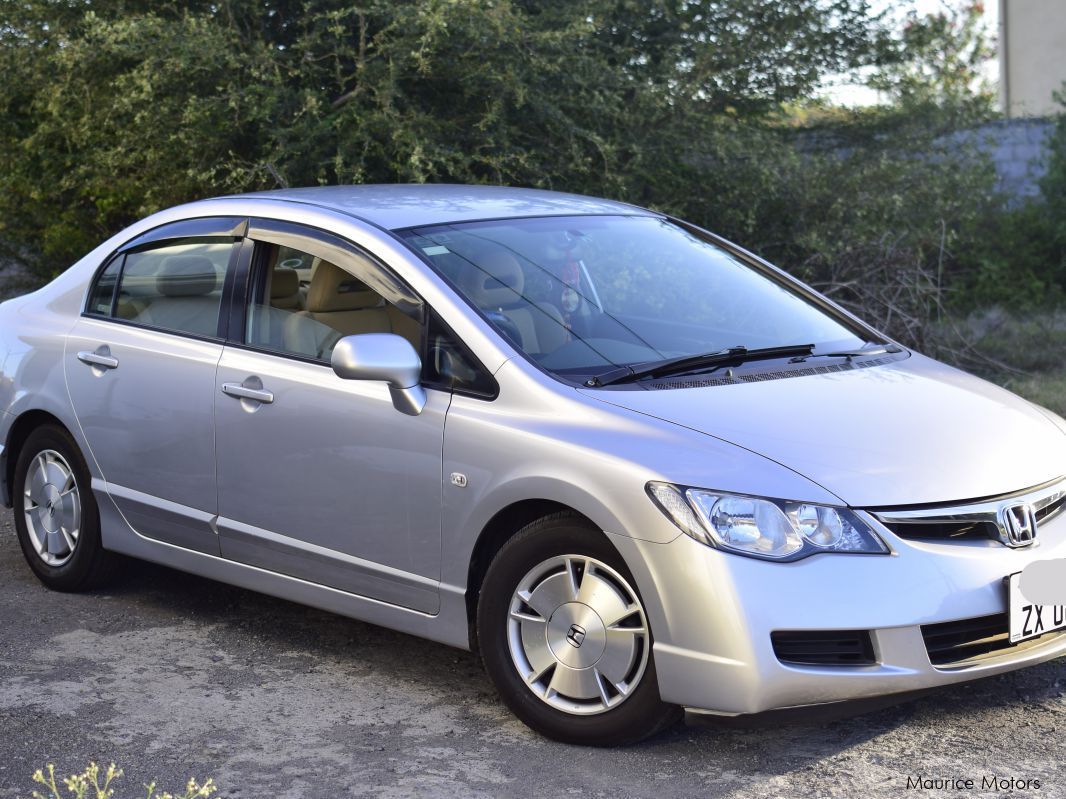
(506, 326)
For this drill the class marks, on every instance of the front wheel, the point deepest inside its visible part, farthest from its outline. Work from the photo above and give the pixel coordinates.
(565, 638)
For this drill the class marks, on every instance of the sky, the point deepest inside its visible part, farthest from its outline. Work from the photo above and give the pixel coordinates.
(851, 94)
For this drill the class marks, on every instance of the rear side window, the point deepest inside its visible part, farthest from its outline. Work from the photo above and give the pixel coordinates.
(103, 293)
(176, 286)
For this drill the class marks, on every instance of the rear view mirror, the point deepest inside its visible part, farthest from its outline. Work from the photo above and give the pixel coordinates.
(383, 356)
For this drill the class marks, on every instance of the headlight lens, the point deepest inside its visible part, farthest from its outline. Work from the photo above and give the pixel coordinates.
(764, 528)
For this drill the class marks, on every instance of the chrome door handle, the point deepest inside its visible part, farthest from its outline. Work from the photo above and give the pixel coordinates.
(98, 359)
(238, 391)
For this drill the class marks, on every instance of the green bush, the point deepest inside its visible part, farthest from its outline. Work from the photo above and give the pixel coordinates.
(700, 109)
(110, 113)
(1015, 255)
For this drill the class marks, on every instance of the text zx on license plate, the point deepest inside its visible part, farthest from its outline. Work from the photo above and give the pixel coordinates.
(1028, 620)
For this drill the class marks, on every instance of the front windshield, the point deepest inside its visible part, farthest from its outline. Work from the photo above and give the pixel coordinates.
(581, 295)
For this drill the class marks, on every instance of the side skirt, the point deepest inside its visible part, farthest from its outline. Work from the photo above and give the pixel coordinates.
(449, 626)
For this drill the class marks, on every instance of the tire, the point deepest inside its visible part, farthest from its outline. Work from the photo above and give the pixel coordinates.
(56, 517)
(575, 672)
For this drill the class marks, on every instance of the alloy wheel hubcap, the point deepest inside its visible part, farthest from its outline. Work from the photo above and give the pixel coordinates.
(578, 635)
(52, 508)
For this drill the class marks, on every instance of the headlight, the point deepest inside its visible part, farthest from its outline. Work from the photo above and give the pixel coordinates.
(764, 528)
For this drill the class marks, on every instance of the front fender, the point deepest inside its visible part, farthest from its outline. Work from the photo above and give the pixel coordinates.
(542, 441)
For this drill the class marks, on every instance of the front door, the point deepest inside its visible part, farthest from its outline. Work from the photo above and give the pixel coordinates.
(322, 478)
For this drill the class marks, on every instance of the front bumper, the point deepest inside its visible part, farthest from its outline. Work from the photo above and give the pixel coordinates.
(712, 614)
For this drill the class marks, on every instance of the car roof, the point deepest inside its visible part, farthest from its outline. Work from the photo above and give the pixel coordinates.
(399, 206)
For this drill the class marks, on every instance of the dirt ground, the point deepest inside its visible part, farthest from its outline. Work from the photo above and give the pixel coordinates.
(172, 676)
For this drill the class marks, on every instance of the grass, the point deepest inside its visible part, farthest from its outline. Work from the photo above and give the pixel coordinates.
(1047, 389)
(1030, 347)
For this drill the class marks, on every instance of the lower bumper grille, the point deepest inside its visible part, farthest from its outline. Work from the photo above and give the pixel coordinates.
(954, 642)
(824, 647)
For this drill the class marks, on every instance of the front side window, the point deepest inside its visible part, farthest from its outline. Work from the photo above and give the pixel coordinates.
(581, 295)
(176, 286)
(302, 305)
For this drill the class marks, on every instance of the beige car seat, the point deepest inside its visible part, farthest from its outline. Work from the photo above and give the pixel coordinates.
(285, 288)
(185, 301)
(339, 305)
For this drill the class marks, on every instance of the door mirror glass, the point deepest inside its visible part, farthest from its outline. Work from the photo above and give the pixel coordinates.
(387, 357)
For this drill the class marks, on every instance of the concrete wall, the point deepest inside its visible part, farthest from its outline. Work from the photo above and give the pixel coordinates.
(1032, 55)
(1019, 148)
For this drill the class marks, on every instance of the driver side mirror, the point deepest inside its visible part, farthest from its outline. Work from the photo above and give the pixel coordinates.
(383, 356)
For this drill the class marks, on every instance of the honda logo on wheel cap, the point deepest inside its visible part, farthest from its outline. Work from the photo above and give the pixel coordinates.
(575, 635)
(1017, 525)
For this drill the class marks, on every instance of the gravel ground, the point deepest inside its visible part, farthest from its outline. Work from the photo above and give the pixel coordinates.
(173, 676)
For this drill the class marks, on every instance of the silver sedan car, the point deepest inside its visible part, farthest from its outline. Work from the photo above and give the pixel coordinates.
(637, 468)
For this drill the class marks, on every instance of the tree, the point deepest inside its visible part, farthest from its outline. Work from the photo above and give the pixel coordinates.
(110, 111)
(937, 60)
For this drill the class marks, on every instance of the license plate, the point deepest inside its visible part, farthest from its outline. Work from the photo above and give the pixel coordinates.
(1028, 620)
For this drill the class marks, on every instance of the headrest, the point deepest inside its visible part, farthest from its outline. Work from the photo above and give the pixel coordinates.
(284, 283)
(333, 289)
(186, 276)
(496, 282)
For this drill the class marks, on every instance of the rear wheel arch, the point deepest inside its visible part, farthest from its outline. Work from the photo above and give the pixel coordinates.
(21, 428)
(57, 521)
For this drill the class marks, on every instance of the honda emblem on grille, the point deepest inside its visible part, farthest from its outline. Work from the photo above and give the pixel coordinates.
(1017, 525)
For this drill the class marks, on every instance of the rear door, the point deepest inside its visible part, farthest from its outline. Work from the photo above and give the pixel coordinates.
(140, 367)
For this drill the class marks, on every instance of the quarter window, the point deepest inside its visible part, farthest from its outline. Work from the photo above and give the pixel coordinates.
(102, 296)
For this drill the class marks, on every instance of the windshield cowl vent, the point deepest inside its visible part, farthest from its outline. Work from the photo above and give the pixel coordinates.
(781, 374)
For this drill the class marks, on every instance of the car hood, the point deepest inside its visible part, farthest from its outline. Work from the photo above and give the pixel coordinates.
(911, 432)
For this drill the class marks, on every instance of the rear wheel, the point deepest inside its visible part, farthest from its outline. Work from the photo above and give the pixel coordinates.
(565, 638)
(56, 517)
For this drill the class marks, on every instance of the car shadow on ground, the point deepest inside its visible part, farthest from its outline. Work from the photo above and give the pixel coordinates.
(256, 650)
(286, 626)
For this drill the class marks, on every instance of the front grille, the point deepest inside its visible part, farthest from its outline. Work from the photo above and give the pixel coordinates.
(1049, 512)
(954, 642)
(824, 647)
(945, 531)
(974, 521)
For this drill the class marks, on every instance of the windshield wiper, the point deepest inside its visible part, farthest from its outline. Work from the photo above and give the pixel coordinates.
(691, 363)
(876, 349)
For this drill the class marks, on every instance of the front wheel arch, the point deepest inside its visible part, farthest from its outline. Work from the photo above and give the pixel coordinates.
(636, 710)
(500, 529)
